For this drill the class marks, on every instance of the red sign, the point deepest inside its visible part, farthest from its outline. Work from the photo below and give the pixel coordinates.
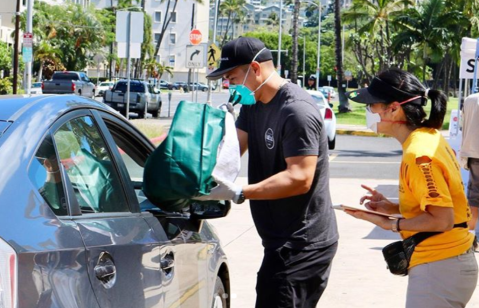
(195, 36)
(28, 39)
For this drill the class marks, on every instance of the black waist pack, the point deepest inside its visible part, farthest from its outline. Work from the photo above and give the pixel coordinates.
(398, 254)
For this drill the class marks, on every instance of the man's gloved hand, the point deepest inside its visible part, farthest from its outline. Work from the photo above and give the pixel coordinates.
(225, 190)
(227, 108)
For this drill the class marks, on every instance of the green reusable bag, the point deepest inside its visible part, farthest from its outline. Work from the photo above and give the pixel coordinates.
(180, 168)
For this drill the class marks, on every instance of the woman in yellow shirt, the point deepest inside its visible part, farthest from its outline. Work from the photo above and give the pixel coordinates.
(443, 270)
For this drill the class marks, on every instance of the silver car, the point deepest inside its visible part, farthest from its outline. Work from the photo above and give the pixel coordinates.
(75, 227)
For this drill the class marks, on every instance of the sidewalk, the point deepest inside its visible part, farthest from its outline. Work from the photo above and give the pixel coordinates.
(359, 278)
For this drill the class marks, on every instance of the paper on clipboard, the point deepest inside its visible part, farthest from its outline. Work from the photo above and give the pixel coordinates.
(343, 207)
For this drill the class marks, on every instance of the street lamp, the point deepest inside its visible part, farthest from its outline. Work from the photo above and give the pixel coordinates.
(318, 60)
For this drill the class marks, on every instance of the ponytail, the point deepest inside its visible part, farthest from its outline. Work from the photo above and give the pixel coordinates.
(438, 109)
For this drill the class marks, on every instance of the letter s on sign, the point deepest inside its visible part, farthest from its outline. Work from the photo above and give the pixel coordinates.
(470, 63)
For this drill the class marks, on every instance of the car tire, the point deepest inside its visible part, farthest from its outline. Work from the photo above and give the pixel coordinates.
(204, 89)
(332, 143)
(220, 295)
(156, 113)
(141, 114)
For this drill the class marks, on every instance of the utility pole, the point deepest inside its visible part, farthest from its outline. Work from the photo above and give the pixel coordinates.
(15, 51)
(28, 67)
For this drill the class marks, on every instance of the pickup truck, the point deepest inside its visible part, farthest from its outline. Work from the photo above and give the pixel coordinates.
(69, 82)
(141, 93)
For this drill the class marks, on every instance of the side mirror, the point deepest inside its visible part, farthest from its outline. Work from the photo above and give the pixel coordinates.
(209, 209)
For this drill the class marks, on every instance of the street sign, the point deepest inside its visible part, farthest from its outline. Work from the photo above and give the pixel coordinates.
(28, 39)
(195, 37)
(214, 54)
(196, 56)
(329, 77)
(27, 53)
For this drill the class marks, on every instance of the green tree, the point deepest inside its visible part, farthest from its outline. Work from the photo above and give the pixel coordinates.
(5, 57)
(343, 101)
(234, 10)
(49, 58)
(295, 34)
(72, 29)
(428, 27)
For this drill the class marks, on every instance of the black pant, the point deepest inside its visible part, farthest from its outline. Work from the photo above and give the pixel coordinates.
(293, 278)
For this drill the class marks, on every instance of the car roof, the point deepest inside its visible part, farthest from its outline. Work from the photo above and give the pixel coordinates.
(316, 93)
(12, 107)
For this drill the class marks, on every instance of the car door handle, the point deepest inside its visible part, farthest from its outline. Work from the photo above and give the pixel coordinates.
(167, 264)
(105, 272)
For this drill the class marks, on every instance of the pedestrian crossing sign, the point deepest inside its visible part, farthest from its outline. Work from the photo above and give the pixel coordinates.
(213, 55)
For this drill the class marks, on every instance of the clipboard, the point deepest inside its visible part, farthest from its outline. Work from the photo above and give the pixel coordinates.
(343, 207)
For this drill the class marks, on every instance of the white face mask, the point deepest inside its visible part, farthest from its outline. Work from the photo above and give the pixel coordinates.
(372, 120)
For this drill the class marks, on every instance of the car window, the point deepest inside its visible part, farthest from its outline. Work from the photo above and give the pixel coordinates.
(88, 164)
(46, 175)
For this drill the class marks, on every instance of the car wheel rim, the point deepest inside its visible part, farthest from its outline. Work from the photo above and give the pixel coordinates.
(218, 302)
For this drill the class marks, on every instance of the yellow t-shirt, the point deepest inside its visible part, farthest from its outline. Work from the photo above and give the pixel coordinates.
(435, 180)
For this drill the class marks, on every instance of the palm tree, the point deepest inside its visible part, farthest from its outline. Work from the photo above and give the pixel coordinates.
(46, 53)
(294, 60)
(273, 20)
(375, 18)
(232, 9)
(343, 101)
(428, 26)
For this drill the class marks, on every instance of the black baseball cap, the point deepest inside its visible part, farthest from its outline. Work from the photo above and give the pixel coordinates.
(238, 52)
(382, 92)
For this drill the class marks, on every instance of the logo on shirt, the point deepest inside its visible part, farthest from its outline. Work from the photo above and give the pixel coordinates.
(269, 138)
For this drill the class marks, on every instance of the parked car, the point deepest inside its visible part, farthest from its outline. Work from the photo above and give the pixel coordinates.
(198, 86)
(142, 94)
(163, 84)
(328, 115)
(36, 88)
(326, 90)
(68, 82)
(76, 229)
(179, 85)
(103, 86)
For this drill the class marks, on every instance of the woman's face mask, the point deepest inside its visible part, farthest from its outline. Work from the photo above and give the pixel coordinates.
(240, 94)
(372, 119)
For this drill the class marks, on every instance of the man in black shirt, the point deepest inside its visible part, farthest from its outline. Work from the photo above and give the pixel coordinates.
(288, 175)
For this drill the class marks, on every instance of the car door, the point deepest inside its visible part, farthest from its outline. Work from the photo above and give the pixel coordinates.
(187, 288)
(123, 253)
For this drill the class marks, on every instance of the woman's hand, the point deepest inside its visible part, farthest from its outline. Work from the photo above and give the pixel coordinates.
(377, 202)
(378, 220)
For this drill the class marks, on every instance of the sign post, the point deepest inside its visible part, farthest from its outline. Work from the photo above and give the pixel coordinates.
(129, 46)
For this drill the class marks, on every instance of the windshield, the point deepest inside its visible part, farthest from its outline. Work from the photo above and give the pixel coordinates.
(65, 76)
(134, 87)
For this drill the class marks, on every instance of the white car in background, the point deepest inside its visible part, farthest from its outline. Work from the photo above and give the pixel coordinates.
(328, 115)
(36, 88)
(103, 86)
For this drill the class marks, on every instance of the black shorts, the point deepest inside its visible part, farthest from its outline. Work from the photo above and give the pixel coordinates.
(293, 278)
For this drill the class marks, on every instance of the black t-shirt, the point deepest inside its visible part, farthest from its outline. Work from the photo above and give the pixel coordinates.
(289, 125)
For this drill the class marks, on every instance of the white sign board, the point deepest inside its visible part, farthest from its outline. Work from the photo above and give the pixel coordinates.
(136, 33)
(196, 56)
(468, 52)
